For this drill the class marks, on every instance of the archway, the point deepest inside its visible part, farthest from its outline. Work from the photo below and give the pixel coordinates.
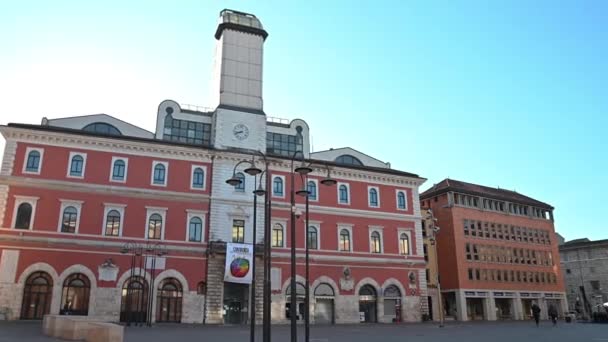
(368, 304)
(324, 304)
(169, 301)
(300, 301)
(392, 303)
(37, 295)
(134, 301)
(75, 295)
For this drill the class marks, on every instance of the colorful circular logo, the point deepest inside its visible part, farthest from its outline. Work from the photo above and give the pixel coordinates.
(239, 267)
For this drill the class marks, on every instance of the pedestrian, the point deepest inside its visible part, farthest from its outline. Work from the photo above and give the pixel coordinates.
(553, 314)
(536, 313)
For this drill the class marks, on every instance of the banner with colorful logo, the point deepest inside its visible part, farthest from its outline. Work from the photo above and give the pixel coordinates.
(238, 263)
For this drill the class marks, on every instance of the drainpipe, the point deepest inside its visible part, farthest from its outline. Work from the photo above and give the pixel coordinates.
(207, 230)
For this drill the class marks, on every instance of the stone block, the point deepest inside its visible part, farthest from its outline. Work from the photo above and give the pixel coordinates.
(104, 332)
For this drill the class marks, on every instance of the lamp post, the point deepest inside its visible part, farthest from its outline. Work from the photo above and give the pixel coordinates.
(434, 231)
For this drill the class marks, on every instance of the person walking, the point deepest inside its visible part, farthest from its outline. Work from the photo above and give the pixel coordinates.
(553, 314)
(536, 313)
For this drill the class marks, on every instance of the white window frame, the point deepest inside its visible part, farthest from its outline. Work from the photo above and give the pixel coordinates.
(69, 203)
(166, 165)
(369, 203)
(407, 232)
(318, 226)
(126, 161)
(163, 214)
(272, 186)
(27, 153)
(348, 227)
(316, 181)
(194, 167)
(191, 214)
(347, 191)
(84, 164)
(121, 210)
(20, 200)
(284, 225)
(378, 229)
(397, 199)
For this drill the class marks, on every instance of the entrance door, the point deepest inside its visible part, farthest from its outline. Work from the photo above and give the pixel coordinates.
(235, 303)
(169, 301)
(134, 303)
(367, 304)
(475, 308)
(429, 299)
(527, 307)
(37, 295)
(324, 311)
(503, 308)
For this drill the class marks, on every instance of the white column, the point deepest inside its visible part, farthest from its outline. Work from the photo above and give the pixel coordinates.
(518, 309)
(490, 308)
(461, 306)
(542, 302)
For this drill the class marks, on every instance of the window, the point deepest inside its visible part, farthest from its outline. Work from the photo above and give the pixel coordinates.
(75, 295)
(313, 238)
(375, 242)
(343, 194)
(238, 231)
(102, 128)
(284, 144)
(195, 229)
(425, 251)
(277, 186)
(277, 235)
(595, 285)
(241, 186)
(347, 159)
(401, 201)
(77, 165)
(468, 251)
(201, 288)
(155, 227)
(24, 216)
(312, 190)
(466, 227)
(470, 272)
(187, 132)
(344, 240)
(68, 222)
(404, 244)
(112, 226)
(198, 177)
(159, 173)
(373, 197)
(119, 169)
(33, 161)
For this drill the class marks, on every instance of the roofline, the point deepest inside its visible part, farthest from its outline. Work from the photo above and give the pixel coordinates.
(344, 148)
(583, 244)
(87, 115)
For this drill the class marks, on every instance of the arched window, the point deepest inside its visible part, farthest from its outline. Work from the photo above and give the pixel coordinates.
(324, 290)
(240, 186)
(347, 159)
(312, 190)
(392, 291)
(401, 202)
(404, 244)
(169, 301)
(344, 240)
(375, 243)
(277, 235)
(300, 290)
(76, 166)
(113, 223)
(201, 288)
(277, 186)
(195, 230)
(312, 237)
(118, 170)
(392, 301)
(68, 223)
(33, 161)
(198, 178)
(24, 216)
(343, 194)
(134, 301)
(373, 197)
(75, 295)
(159, 174)
(155, 227)
(37, 294)
(102, 128)
(367, 290)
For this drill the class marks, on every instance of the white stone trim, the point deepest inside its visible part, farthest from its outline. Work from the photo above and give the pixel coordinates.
(8, 162)
(369, 188)
(166, 179)
(17, 202)
(407, 232)
(368, 281)
(56, 288)
(316, 181)
(327, 280)
(69, 203)
(349, 228)
(283, 224)
(204, 168)
(136, 271)
(344, 211)
(27, 153)
(397, 191)
(163, 214)
(126, 161)
(393, 281)
(273, 176)
(347, 191)
(191, 214)
(317, 225)
(84, 164)
(107, 208)
(377, 229)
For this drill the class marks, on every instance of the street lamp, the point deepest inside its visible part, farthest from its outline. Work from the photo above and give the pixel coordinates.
(434, 230)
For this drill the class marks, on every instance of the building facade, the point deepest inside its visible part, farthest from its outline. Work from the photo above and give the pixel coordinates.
(429, 249)
(102, 218)
(497, 252)
(585, 268)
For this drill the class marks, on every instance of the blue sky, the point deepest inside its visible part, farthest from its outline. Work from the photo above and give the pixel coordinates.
(500, 93)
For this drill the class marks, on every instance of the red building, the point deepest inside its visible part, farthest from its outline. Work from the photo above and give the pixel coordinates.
(496, 250)
(102, 218)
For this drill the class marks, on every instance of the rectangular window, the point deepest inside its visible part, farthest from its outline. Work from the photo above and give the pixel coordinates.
(277, 235)
(238, 231)
(188, 132)
(470, 271)
(475, 253)
(466, 227)
(468, 251)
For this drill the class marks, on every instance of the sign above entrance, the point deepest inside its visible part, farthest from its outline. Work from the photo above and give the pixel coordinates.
(238, 263)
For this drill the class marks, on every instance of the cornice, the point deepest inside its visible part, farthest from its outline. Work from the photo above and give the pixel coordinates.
(349, 212)
(359, 259)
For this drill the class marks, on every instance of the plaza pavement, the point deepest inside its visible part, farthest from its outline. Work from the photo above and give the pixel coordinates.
(427, 332)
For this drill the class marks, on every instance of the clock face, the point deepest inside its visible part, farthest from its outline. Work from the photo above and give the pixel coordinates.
(240, 131)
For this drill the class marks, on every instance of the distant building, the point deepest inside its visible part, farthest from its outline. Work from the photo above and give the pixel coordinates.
(585, 267)
(497, 252)
(430, 256)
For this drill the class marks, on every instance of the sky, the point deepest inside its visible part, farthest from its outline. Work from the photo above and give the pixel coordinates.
(509, 94)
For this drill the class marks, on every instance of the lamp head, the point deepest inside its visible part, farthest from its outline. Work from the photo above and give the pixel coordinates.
(253, 170)
(233, 181)
(303, 192)
(303, 169)
(259, 191)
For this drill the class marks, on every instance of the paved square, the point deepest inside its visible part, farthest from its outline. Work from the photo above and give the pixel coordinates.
(470, 332)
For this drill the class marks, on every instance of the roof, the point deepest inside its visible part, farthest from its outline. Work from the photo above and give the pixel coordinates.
(582, 243)
(481, 190)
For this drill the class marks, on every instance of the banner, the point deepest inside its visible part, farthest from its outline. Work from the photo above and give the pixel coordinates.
(238, 263)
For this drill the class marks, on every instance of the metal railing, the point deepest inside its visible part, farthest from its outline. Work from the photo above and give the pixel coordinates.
(277, 120)
(196, 108)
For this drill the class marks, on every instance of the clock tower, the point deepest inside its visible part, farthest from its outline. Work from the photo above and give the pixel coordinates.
(239, 120)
